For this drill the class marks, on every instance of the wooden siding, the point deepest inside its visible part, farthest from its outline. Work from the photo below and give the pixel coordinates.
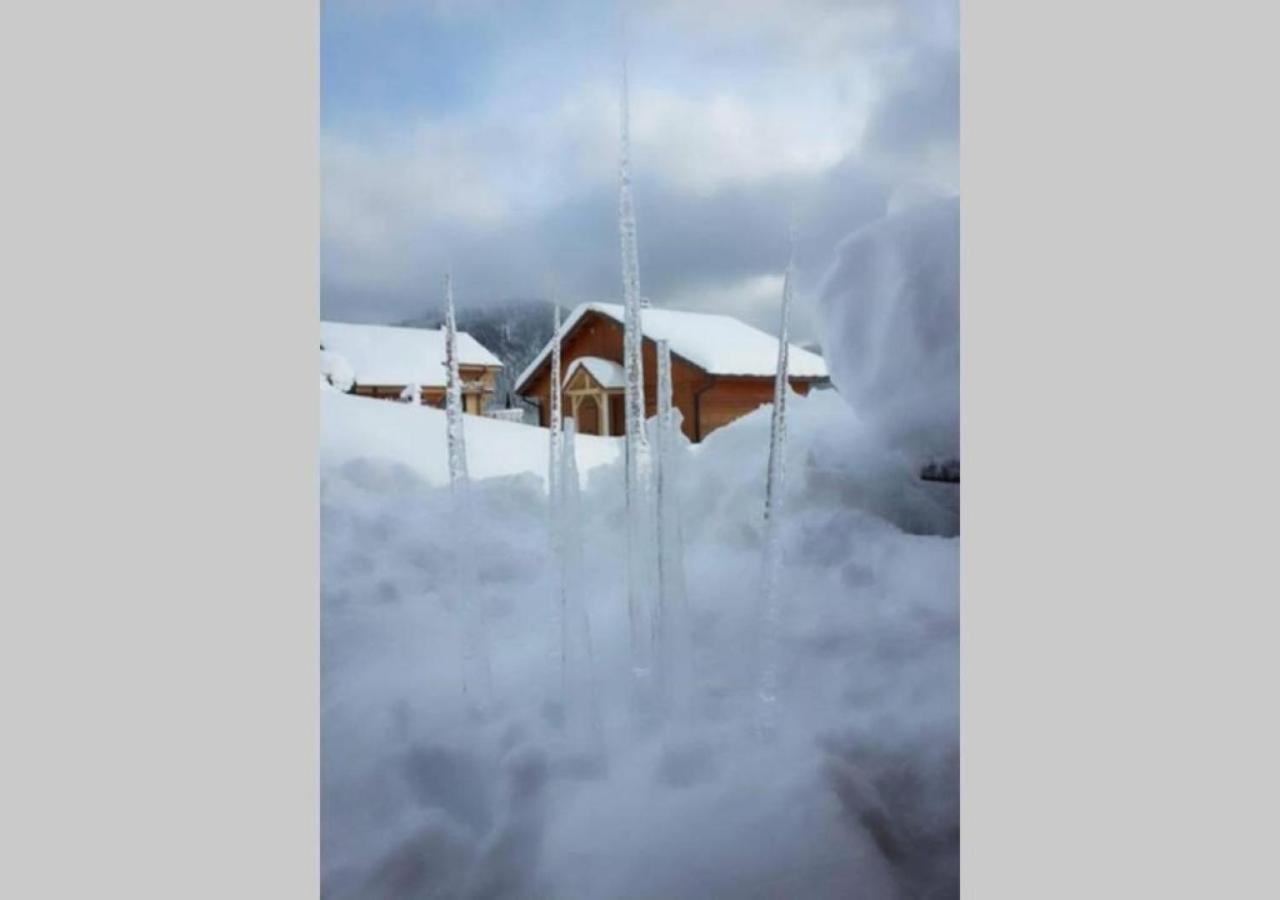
(733, 398)
(598, 335)
(478, 384)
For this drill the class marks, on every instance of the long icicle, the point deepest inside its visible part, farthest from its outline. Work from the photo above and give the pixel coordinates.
(557, 432)
(477, 675)
(638, 457)
(670, 629)
(768, 619)
(453, 392)
(582, 710)
(557, 518)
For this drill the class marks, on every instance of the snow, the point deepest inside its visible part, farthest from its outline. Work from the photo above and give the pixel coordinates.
(858, 794)
(385, 354)
(606, 372)
(408, 442)
(720, 345)
(891, 302)
(855, 794)
(336, 370)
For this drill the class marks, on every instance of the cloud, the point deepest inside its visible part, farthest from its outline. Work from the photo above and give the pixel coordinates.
(745, 116)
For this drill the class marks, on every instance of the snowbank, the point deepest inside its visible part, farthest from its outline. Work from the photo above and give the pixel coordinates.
(858, 796)
(355, 428)
(891, 304)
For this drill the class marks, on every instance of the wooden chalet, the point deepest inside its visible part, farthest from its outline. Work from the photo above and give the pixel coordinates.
(384, 360)
(721, 368)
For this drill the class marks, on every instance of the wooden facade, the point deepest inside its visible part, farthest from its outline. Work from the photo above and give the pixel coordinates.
(478, 385)
(706, 401)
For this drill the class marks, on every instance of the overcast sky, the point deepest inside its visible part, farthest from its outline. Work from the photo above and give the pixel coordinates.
(483, 135)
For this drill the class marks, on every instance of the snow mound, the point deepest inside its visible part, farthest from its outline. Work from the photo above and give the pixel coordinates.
(891, 304)
(337, 371)
(858, 796)
(361, 428)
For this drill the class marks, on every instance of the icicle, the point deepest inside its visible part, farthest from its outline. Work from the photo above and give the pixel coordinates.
(477, 678)
(557, 437)
(453, 392)
(768, 619)
(577, 654)
(670, 620)
(638, 461)
(556, 518)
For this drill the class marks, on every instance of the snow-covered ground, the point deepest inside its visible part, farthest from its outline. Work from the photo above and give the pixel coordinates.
(356, 430)
(856, 794)
(858, 797)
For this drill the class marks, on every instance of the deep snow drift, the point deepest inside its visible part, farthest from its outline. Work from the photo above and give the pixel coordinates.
(857, 796)
(891, 305)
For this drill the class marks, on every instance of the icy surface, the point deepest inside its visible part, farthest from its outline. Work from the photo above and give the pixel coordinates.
(383, 354)
(721, 345)
(891, 304)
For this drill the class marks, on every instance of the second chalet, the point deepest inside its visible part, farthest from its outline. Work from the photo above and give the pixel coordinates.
(721, 368)
(384, 361)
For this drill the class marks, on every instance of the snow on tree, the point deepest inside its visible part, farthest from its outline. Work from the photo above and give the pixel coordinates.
(640, 563)
(453, 392)
(768, 618)
(412, 394)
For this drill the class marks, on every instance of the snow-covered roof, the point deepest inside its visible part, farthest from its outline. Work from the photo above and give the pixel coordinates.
(386, 354)
(605, 371)
(718, 344)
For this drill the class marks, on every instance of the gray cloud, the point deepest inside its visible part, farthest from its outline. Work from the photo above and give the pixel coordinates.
(519, 197)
